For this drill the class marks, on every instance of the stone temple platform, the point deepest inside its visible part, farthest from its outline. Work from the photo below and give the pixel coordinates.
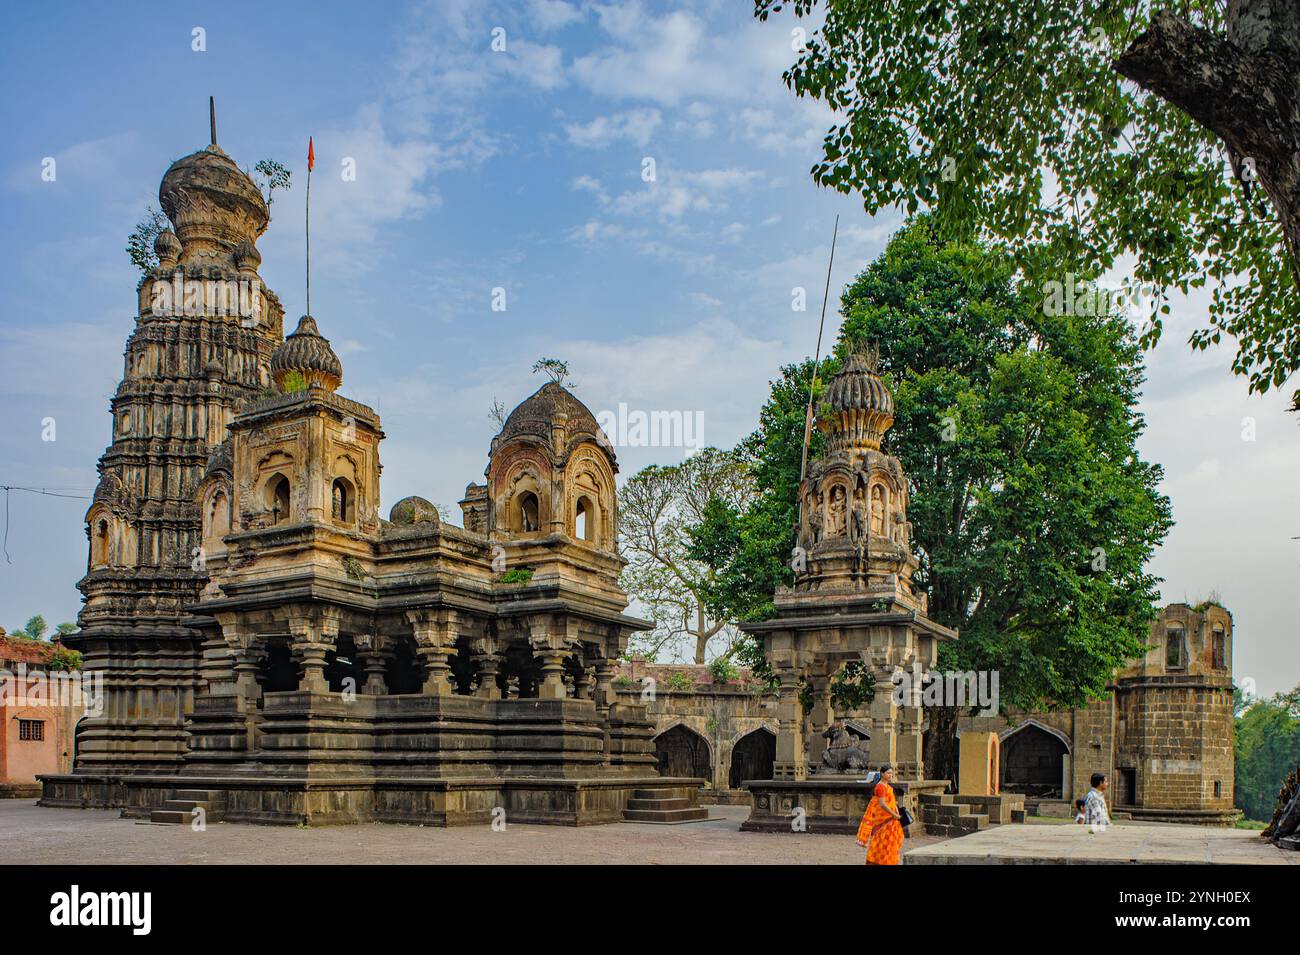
(1043, 844)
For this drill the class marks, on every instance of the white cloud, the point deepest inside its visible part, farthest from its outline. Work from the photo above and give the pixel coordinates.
(635, 126)
(553, 14)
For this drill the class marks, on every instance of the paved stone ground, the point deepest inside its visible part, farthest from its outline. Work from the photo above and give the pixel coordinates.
(1136, 843)
(32, 834)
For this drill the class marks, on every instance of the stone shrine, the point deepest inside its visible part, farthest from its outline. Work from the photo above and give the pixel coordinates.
(274, 650)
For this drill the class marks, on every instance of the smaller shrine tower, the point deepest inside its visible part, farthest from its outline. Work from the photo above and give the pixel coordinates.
(853, 597)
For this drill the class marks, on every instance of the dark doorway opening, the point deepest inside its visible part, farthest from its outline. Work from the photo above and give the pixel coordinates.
(752, 757)
(683, 752)
(1033, 763)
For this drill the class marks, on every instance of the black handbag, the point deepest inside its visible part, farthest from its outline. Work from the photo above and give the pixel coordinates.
(904, 819)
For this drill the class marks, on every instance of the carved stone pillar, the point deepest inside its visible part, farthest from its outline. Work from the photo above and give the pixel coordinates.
(375, 655)
(583, 684)
(605, 696)
(551, 637)
(488, 662)
(790, 762)
(248, 666)
(820, 717)
(884, 720)
(435, 639)
(314, 633)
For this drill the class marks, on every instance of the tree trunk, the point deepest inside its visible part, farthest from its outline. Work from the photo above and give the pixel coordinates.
(941, 744)
(1243, 87)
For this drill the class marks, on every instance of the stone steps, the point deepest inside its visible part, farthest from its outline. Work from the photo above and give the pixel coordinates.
(944, 816)
(664, 807)
(180, 809)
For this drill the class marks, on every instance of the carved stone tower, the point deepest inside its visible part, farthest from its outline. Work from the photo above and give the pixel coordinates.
(853, 598)
(201, 348)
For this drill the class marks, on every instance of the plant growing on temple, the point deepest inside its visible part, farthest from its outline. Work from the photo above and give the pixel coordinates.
(270, 176)
(659, 510)
(519, 575)
(1033, 515)
(1079, 134)
(554, 369)
(139, 244)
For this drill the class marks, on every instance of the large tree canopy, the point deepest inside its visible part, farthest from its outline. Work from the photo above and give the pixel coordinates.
(1082, 135)
(1033, 515)
(657, 508)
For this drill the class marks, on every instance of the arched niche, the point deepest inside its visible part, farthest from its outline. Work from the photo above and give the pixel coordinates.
(343, 501)
(589, 491)
(525, 506)
(277, 497)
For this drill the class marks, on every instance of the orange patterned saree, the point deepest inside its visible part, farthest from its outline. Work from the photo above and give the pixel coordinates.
(881, 831)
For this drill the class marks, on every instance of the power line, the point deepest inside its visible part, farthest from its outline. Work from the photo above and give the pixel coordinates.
(46, 492)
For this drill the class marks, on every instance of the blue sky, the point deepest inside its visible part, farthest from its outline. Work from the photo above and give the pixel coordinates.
(519, 170)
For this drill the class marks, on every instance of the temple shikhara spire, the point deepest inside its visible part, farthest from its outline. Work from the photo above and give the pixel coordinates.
(260, 624)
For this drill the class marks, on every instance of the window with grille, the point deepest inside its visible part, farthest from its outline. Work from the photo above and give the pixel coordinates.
(33, 730)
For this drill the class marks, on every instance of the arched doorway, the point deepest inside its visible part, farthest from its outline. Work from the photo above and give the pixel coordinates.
(752, 757)
(1033, 762)
(683, 752)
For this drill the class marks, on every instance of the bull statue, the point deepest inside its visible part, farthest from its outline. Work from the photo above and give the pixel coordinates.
(844, 754)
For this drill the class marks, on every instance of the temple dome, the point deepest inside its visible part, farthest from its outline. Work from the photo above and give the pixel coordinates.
(858, 407)
(167, 247)
(212, 203)
(413, 510)
(538, 414)
(307, 352)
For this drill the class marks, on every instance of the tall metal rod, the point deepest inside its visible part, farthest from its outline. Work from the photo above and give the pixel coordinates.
(812, 385)
(311, 161)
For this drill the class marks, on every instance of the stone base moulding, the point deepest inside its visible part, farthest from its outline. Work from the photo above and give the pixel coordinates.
(429, 801)
(831, 806)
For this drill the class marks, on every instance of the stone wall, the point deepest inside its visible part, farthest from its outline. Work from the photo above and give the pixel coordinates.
(719, 716)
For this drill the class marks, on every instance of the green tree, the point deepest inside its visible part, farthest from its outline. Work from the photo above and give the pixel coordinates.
(659, 507)
(1079, 133)
(1267, 747)
(139, 244)
(35, 629)
(1033, 515)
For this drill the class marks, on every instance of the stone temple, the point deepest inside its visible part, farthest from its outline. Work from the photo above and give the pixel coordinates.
(274, 651)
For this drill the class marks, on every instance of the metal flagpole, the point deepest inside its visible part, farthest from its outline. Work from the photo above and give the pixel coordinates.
(812, 385)
(311, 161)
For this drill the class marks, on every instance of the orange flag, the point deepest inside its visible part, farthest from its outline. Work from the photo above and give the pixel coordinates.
(311, 155)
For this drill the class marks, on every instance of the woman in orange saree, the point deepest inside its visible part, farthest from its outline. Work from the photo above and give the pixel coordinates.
(880, 831)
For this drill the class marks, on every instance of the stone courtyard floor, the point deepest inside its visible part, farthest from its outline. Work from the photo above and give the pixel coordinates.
(1141, 843)
(30, 834)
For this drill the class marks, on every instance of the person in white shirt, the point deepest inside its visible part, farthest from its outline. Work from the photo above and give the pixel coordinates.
(1095, 816)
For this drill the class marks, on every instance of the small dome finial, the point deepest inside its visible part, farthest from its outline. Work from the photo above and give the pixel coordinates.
(307, 353)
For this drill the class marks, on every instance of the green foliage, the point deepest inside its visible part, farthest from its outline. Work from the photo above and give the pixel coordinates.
(661, 509)
(139, 244)
(723, 671)
(65, 629)
(1009, 120)
(33, 629)
(554, 369)
(1041, 470)
(519, 575)
(1267, 748)
(64, 659)
(270, 176)
(293, 382)
(680, 682)
(622, 681)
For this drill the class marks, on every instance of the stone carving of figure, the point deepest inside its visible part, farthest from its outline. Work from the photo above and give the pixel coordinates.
(338, 503)
(814, 510)
(837, 513)
(858, 516)
(878, 511)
